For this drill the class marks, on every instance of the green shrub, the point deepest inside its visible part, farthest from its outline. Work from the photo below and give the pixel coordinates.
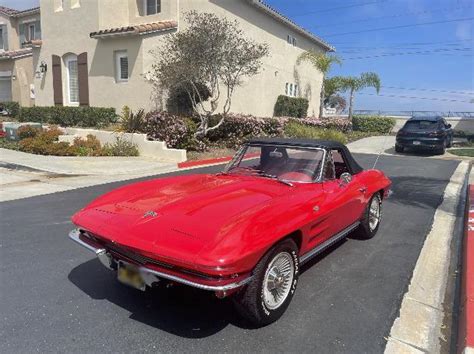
(46, 143)
(376, 124)
(121, 147)
(291, 107)
(178, 100)
(13, 108)
(27, 131)
(132, 122)
(96, 117)
(90, 146)
(295, 129)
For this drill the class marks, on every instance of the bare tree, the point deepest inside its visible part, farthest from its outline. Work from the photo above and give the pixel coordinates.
(212, 52)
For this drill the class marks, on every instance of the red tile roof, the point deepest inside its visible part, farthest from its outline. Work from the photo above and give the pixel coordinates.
(262, 5)
(15, 54)
(18, 13)
(141, 29)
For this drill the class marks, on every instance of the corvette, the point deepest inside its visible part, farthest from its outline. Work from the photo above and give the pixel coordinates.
(244, 232)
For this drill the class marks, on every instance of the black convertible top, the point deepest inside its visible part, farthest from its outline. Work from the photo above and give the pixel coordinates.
(314, 143)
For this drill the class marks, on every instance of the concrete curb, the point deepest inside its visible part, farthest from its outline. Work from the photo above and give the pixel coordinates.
(466, 318)
(202, 163)
(419, 325)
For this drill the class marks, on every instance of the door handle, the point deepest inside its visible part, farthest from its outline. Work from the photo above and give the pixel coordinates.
(363, 189)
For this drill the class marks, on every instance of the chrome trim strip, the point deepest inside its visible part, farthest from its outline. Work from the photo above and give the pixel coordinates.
(74, 235)
(339, 236)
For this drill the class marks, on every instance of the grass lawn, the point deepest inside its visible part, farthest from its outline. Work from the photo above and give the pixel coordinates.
(462, 152)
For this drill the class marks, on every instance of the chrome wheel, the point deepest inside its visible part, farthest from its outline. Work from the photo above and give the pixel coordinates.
(374, 213)
(278, 280)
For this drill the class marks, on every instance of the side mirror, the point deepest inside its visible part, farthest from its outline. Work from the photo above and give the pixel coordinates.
(449, 125)
(345, 178)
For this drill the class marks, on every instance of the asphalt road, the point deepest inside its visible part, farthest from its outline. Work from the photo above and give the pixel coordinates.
(56, 297)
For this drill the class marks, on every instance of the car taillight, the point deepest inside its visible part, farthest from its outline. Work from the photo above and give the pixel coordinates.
(401, 132)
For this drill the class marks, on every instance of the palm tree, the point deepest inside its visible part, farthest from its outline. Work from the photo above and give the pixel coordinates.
(354, 84)
(323, 63)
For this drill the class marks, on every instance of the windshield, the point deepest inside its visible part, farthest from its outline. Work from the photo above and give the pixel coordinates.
(292, 164)
(421, 125)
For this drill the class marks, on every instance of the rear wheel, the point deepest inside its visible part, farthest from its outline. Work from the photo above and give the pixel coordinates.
(370, 222)
(267, 296)
(399, 148)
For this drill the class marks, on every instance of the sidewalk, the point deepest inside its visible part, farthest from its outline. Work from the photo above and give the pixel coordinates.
(85, 165)
(25, 175)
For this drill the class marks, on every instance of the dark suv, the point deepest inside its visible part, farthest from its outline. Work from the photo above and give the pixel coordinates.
(429, 133)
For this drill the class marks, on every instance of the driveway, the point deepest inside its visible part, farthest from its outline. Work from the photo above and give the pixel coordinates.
(55, 296)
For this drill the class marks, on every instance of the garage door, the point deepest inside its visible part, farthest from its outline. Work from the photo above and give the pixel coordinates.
(5, 89)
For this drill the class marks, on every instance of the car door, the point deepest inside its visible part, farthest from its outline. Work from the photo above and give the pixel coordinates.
(337, 206)
(344, 200)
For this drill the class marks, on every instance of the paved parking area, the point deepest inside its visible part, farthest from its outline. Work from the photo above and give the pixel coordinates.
(56, 297)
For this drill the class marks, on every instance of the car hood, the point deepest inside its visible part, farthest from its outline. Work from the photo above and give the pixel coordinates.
(177, 217)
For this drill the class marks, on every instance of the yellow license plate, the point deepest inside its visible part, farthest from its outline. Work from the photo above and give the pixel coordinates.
(129, 275)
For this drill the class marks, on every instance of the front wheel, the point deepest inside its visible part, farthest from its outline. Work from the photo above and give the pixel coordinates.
(399, 148)
(370, 222)
(268, 295)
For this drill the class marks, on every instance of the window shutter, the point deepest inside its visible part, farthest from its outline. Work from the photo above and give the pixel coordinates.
(22, 34)
(83, 75)
(57, 81)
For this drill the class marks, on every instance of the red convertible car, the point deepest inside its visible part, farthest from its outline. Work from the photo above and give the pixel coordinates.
(244, 232)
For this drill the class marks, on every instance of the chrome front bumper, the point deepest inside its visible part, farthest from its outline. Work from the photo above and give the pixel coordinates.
(149, 274)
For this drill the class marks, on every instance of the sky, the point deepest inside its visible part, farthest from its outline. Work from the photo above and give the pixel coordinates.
(432, 62)
(427, 63)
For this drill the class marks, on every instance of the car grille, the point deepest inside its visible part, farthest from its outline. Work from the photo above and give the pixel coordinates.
(134, 256)
(119, 251)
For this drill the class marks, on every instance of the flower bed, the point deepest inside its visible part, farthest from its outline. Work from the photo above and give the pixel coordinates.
(46, 142)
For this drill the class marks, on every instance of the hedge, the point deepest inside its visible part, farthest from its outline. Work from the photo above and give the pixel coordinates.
(13, 108)
(291, 107)
(297, 129)
(87, 117)
(375, 124)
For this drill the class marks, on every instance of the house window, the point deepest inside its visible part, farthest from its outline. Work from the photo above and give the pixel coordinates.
(121, 66)
(30, 32)
(291, 89)
(2, 45)
(72, 80)
(152, 7)
(291, 40)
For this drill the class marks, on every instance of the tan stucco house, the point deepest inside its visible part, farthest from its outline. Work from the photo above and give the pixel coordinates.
(97, 52)
(19, 32)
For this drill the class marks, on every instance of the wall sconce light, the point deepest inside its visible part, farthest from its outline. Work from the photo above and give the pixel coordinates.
(13, 77)
(43, 67)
